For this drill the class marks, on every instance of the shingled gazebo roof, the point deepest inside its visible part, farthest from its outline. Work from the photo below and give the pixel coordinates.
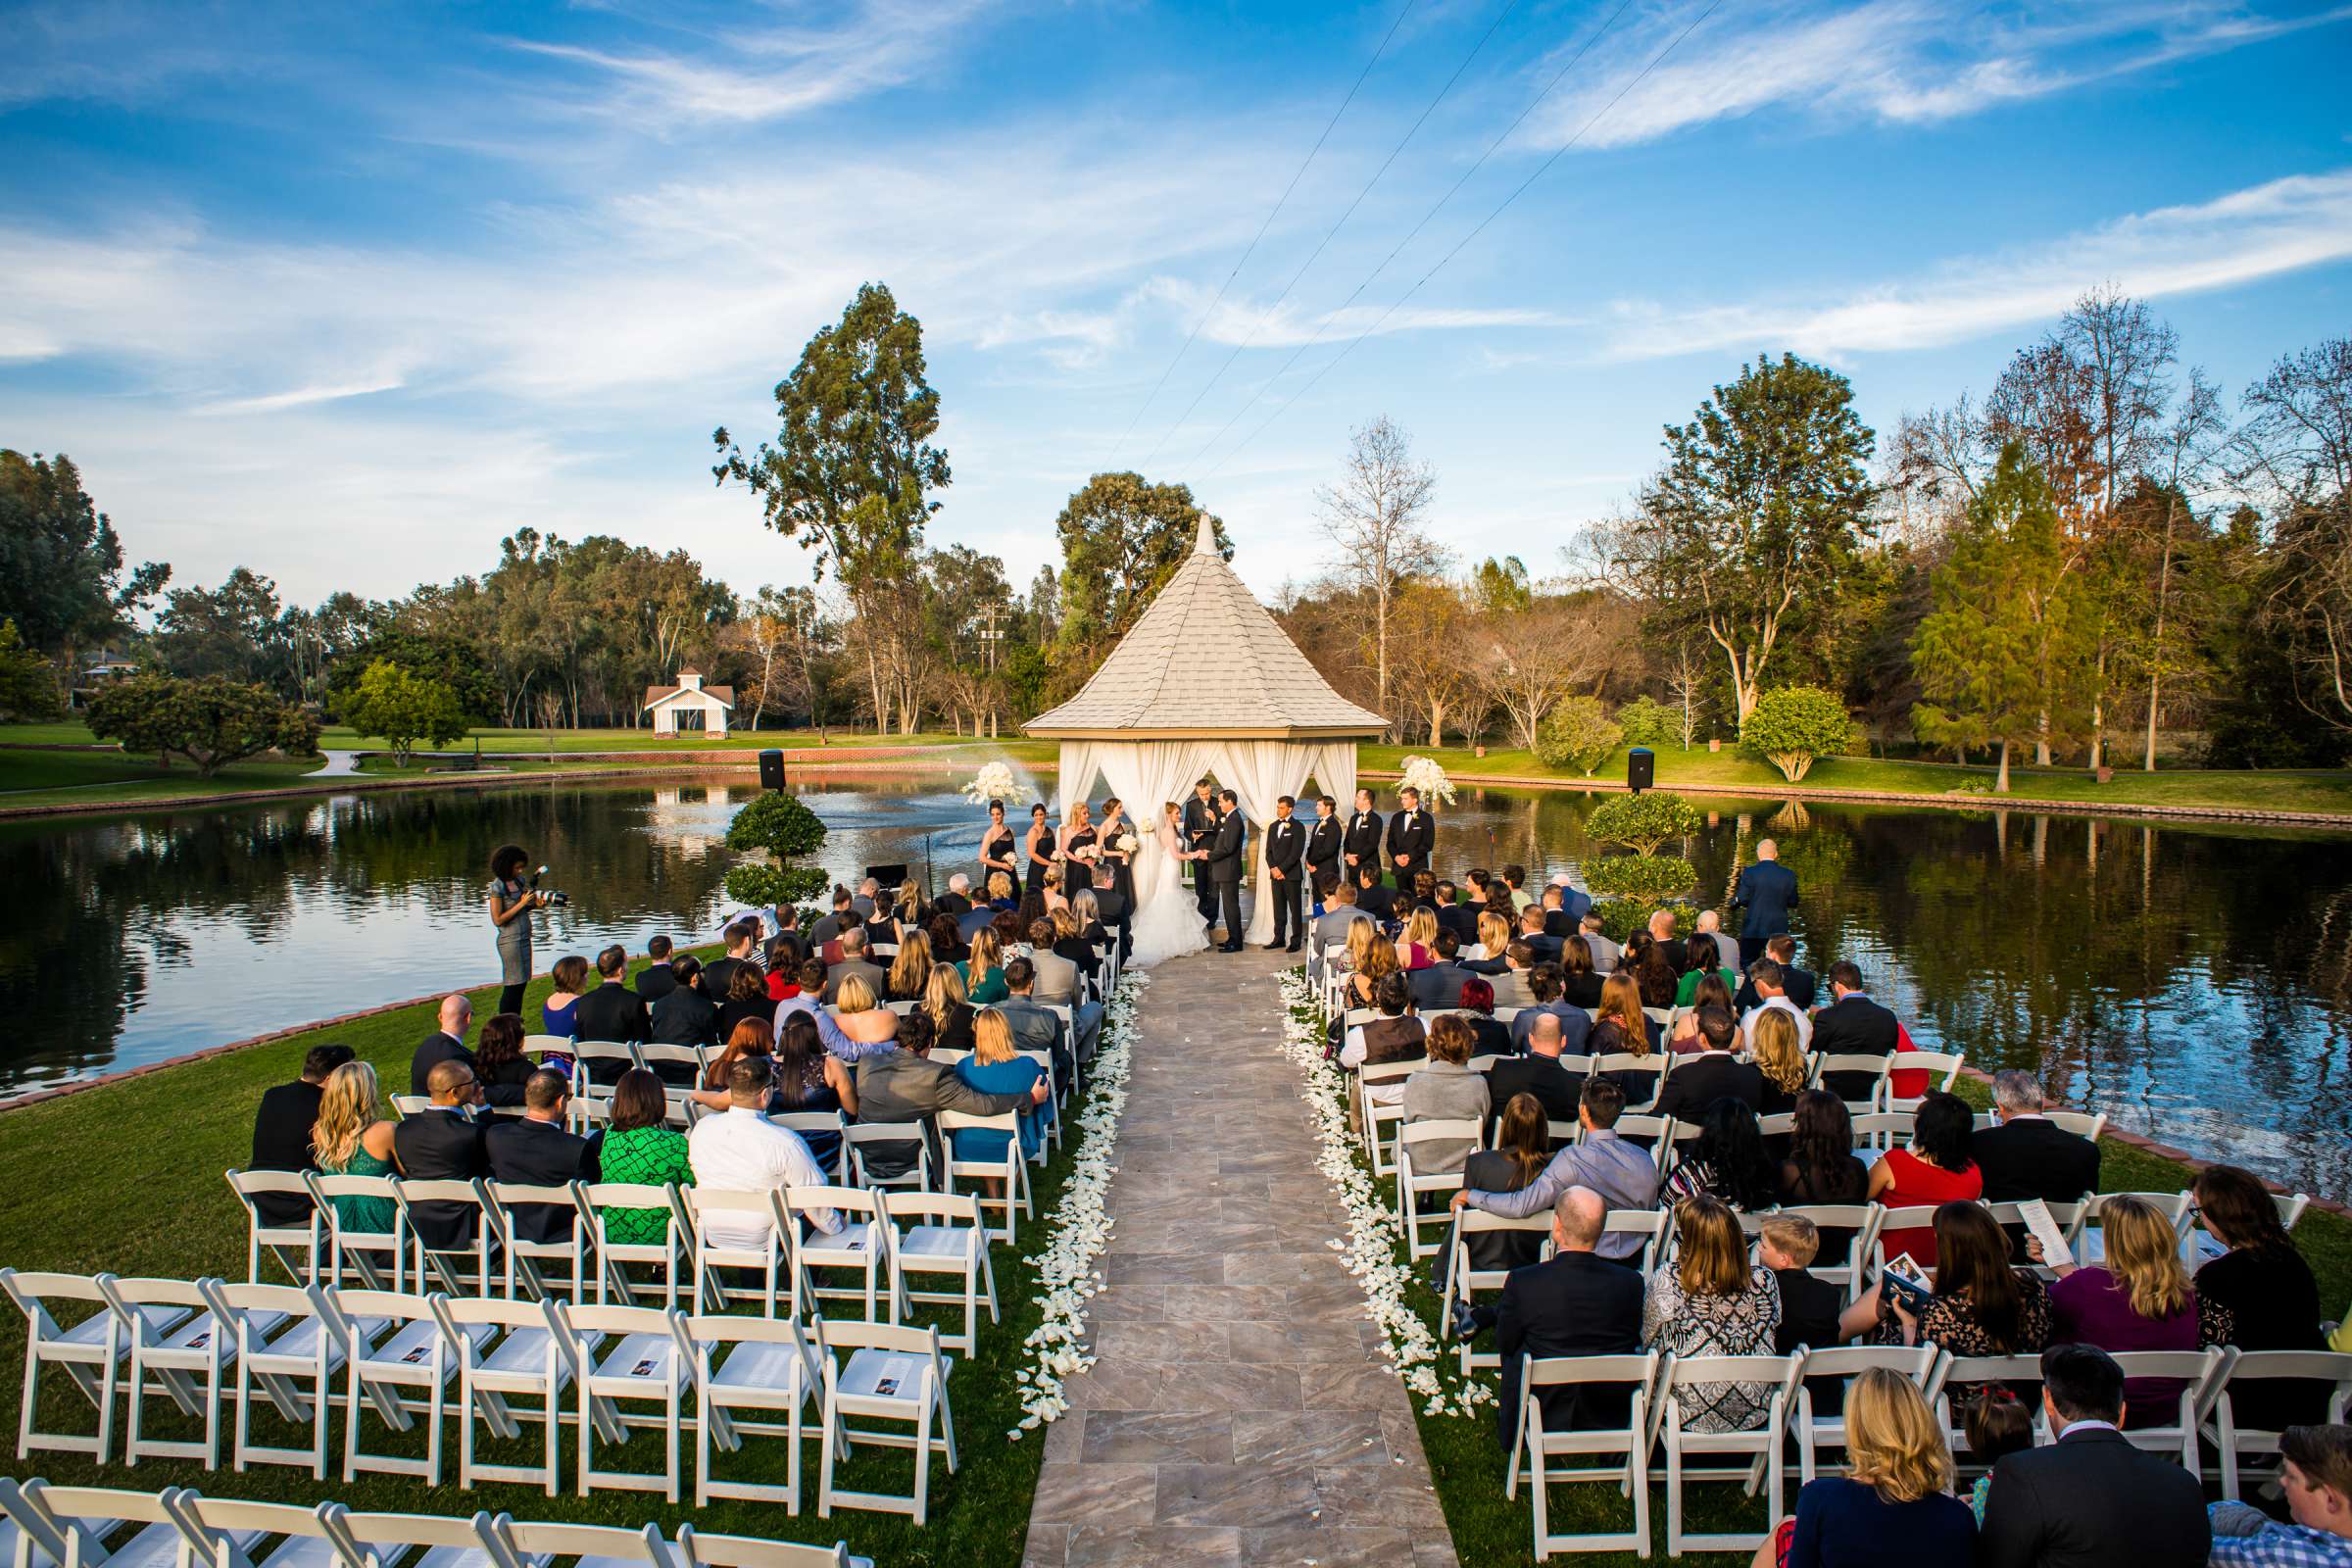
(1207, 658)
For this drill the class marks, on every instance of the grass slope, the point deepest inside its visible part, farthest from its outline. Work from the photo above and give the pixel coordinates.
(126, 1179)
(60, 778)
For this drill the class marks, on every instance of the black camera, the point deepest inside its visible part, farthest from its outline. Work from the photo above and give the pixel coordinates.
(556, 899)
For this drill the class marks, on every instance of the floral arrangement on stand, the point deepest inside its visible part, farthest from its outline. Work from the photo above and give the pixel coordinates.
(1423, 773)
(1372, 1244)
(994, 782)
(1078, 1228)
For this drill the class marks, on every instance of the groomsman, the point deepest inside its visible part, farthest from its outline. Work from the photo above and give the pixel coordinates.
(1410, 836)
(1286, 848)
(1323, 840)
(1199, 828)
(1227, 854)
(1362, 845)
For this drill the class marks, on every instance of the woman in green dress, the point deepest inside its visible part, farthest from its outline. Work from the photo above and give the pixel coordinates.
(352, 1138)
(640, 1148)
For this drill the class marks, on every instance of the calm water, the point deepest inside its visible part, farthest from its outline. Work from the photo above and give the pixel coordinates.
(2194, 984)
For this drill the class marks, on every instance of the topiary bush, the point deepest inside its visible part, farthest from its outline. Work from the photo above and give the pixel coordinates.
(1654, 877)
(1791, 726)
(1578, 734)
(787, 830)
(1641, 822)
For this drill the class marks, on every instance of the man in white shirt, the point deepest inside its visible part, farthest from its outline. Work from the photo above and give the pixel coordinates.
(1765, 976)
(740, 1150)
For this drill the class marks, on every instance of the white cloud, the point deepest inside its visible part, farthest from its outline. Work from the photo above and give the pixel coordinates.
(1238, 321)
(2261, 231)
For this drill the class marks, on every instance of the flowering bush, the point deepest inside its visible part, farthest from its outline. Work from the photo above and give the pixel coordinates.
(993, 782)
(1423, 773)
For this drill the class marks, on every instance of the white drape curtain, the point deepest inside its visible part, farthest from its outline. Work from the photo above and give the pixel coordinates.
(1144, 775)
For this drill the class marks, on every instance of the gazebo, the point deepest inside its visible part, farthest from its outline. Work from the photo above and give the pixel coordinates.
(1206, 682)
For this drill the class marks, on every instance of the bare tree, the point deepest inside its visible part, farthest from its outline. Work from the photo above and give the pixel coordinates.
(2296, 444)
(1375, 518)
(1686, 684)
(1532, 657)
(1433, 627)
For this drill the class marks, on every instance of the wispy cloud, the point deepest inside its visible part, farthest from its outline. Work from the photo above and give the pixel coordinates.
(2261, 231)
(1240, 320)
(1896, 61)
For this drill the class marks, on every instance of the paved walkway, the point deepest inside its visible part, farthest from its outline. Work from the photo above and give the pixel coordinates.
(1239, 1411)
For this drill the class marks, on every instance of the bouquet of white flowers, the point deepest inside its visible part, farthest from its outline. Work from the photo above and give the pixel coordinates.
(992, 783)
(1125, 843)
(1423, 773)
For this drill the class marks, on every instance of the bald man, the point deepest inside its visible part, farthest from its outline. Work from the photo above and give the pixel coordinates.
(444, 1143)
(1579, 1304)
(1767, 891)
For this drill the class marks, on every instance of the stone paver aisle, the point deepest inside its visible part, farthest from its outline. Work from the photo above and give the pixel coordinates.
(1239, 1411)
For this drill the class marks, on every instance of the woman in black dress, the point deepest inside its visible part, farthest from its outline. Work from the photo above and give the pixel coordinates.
(997, 846)
(499, 1062)
(1037, 849)
(1116, 827)
(2264, 1280)
(1078, 851)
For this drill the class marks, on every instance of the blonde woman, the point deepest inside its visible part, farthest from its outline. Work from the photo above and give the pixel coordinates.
(997, 1066)
(984, 971)
(945, 1005)
(1780, 1053)
(352, 1138)
(1377, 962)
(1894, 1503)
(2141, 1299)
(911, 970)
(1494, 936)
(999, 890)
(1417, 948)
(1713, 1301)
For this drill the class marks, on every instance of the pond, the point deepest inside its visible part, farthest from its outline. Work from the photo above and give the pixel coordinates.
(2194, 983)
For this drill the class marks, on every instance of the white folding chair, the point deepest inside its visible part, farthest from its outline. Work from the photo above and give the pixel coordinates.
(1675, 1142)
(1657, 1062)
(1781, 1374)
(1931, 1063)
(649, 1362)
(368, 1251)
(286, 1336)
(1412, 1182)
(443, 1267)
(408, 1105)
(91, 1352)
(697, 1550)
(860, 1244)
(694, 1060)
(2234, 1441)
(2068, 1217)
(723, 1226)
(446, 1542)
(1376, 1118)
(1883, 1128)
(611, 1053)
(540, 1047)
(1462, 1281)
(861, 1135)
(222, 1532)
(588, 1546)
(525, 1256)
(764, 1364)
(2081, 1123)
(669, 1257)
(72, 1524)
(1973, 1372)
(2201, 1374)
(1859, 1223)
(942, 1233)
(285, 1242)
(807, 1122)
(1914, 1217)
(1814, 1431)
(1008, 1167)
(1655, 1227)
(530, 1358)
(893, 1372)
(397, 1353)
(1057, 1092)
(1875, 1066)
(183, 1362)
(2088, 1238)
(1627, 1445)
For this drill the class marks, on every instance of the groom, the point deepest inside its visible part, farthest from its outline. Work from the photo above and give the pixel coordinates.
(1226, 855)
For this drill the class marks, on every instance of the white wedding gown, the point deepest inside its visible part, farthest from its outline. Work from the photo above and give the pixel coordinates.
(1168, 925)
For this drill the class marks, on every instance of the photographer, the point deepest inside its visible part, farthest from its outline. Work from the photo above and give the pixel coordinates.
(511, 905)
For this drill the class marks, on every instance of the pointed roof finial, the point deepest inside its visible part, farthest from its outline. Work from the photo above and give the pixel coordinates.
(1204, 543)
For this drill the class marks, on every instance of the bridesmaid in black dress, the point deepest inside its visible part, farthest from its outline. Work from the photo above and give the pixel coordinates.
(996, 849)
(1115, 826)
(1037, 849)
(1077, 851)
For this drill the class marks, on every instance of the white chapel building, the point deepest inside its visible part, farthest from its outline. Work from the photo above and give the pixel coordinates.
(689, 708)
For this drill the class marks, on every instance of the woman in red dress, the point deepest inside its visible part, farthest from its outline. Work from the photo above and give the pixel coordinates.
(1936, 1168)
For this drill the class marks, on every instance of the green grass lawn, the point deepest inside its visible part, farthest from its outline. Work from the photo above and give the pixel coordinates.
(1467, 1463)
(61, 778)
(126, 1179)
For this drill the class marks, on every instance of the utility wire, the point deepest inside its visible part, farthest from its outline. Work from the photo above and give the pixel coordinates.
(1335, 313)
(1335, 229)
(1354, 342)
(1251, 248)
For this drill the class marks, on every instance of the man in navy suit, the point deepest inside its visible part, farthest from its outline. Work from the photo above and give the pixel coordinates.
(1767, 891)
(1228, 855)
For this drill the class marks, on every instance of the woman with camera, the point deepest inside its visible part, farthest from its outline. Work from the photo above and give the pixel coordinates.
(511, 905)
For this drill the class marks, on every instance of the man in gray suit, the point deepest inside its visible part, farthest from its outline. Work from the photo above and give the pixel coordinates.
(1034, 1027)
(1228, 854)
(1057, 987)
(852, 962)
(898, 1086)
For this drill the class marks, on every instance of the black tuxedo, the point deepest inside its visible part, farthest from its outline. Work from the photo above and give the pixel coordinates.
(1459, 919)
(1580, 1303)
(1411, 834)
(538, 1154)
(441, 1146)
(1286, 852)
(612, 1011)
(432, 1051)
(1854, 1027)
(1199, 833)
(1362, 840)
(1228, 854)
(1556, 1088)
(1699, 1081)
(281, 1140)
(2092, 1499)
(658, 981)
(1325, 838)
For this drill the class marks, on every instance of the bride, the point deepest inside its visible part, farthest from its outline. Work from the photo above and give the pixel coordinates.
(1168, 925)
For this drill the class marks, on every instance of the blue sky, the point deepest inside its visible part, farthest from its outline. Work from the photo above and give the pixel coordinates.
(345, 294)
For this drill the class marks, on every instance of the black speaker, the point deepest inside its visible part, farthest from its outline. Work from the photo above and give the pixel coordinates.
(772, 770)
(1641, 768)
(888, 876)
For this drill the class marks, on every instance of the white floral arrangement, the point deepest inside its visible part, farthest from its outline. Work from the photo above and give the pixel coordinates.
(1078, 1229)
(1422, 773)
(1125, 843)
(1370, 1248)
(994, 782)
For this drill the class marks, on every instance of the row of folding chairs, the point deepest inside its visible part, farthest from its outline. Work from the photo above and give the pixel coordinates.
(886, 1235)
(397, 1361)
(50, 1526)
(1661, 1388)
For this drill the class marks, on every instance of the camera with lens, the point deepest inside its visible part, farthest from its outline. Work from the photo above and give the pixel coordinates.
(554, 897)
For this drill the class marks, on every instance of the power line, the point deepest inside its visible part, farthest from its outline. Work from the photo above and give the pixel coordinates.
(1491, 147)
(1562, 151)
(1335, 229)
(1251, 248)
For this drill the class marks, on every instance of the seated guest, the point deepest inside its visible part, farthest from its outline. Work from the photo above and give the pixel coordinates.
(1604, 952)
(1894, 1503)
(1787, 1244)
(1515, 986)
(609, 1009)
(1853, 1025)
(1655, 972)
(1054, 982)
(910, 969)
(1624, 1029)
(943, 1006)
(1681, 1035)
(1981, 1305)
(1998, 1424)
(981, 915)
(686, 1016)
(1576, 1304)
(853, 961)
(897, 1086)
(1713, 1074)
(1522, 1148)
(784, 955)
(1544, 983)
(808, 1079)
(1071, 946)
(1538, 1074)
(743, 941)
(1438, 983)
(1938, 1168)
(858, 1024)
(1339, 913)
(1701, 958)
(2029, 1156)
(1780, 1057)
(1559, 922)
(746, 999)
(1417, 944)
(498, 1064)
(1797, 985)
(353, 1138)
(1446, 1090)
(447, 1043)
(283, 1126)
(536, 1152)
(2267, 1288)
(947, 940)
(984, 971)
(1624, 1175)
(1726, 1161)
(1477, 1003)
(2315, 1474)
(1455, 915)
(557, 1014)
(1545, 947)
(828, 927)
(1396, 1035)
(1514, 877)
(1726, 948)
(1712, 1301)
(997, 1066)
(443, 1142)
(1822, 1166)
(656, 979)
(1001, 895)
(959, 897)
(2141, 1298)
(1494, 941)
(2090, 1500)
(740, 1150)
(640, 1149)
(753, 1038)
(1034, 1026)
(1374, 898)
(808, 984)
(1764, 980)
(1579, 983)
